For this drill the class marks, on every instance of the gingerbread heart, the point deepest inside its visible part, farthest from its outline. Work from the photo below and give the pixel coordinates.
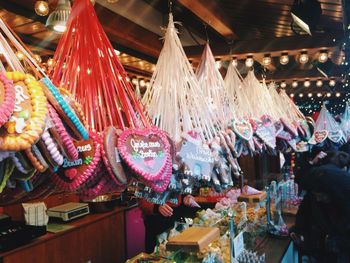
(29, 115)
(111, 158)
(335, 136)
(146, 152)
(279, 127)
(320, 136)
(291, 128)
(243, 129)
(72, 174)
(266, 132)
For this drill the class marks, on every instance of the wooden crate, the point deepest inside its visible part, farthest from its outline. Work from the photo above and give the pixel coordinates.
(193, 239)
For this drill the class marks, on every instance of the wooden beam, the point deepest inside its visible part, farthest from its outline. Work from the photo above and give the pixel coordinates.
(209, 13)
(259, 47)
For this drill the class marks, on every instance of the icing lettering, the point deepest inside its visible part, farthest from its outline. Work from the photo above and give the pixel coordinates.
(196, 157)
(67, 163)
(137, 144)
(84, 148)
(20, 97)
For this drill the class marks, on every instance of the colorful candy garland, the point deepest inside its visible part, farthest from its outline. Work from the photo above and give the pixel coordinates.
(8, 102)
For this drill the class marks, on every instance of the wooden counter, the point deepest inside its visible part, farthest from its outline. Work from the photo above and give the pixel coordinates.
(94, 238)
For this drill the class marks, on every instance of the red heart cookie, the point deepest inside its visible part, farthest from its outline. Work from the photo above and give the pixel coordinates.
(146, 152)
(320, 136)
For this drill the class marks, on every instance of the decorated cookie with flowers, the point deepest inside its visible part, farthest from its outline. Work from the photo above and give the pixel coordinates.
(72, 174)
(27, 122)
(146, 152)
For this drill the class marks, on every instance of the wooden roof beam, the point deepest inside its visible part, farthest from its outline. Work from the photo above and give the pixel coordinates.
(209, 13)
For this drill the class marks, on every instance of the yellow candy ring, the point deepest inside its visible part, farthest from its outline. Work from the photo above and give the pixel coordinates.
(29, 116)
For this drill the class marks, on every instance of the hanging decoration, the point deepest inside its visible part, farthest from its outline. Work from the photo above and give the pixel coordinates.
(85, 60)
(174, 100)
(213, 88)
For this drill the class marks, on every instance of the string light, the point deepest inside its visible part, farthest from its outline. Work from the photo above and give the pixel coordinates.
(323, 56)
(284, 59)
(142, 83)
(292, 95)
(41, 8)
(307, 83)
(319, 95)
(249, 62)
(20, 55)
(294, 84)
(50, 63)
(266, 60)
(332, 83)
(338, 95)
(309, 95)
(328, 94)
(283, 84)
(234, 62)
(304, 57)
(301, 95)
(319, 83)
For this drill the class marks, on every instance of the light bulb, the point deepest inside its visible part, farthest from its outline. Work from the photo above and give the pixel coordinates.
(283, 84)
(41, 8)
(301, 95)
(319, 95)
(234, 62)
(249, 62)
(295, 84)
(304, 58)
(337, 94)
(142, 83)
(266, 60)
(309, 95)
(319, 83)
(332, 83)
(20, 55)
(323, 56)
(50, 62)
(307, 83)
(292, 95)
(135, 81)
(37, 58)
(284, 59)
(328, 94)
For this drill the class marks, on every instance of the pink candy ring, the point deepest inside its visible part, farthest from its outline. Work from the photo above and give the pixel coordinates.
(7, 99)
(64, 139)
(71, 175)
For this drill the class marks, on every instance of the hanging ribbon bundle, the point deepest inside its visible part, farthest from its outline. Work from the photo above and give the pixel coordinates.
(86, 64)
(174, 99)
(213, 87)
(327, 127)
(345, 122)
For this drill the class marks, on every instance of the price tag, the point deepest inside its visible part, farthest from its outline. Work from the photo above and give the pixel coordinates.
(238, 245)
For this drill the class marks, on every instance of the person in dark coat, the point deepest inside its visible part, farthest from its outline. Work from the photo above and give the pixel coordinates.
(322, 228)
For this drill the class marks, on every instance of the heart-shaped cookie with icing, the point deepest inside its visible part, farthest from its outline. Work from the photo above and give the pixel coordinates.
(266, 131)
(290, 127)
(28, 119)
(7, 98)
(335, 136)
(320, 135)
(243, 129)
(145, 151)
(111, 157)
(72, 174)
